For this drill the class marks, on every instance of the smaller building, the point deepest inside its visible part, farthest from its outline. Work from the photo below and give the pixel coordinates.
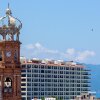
(51, 98)
(86, 96)
(35, 98)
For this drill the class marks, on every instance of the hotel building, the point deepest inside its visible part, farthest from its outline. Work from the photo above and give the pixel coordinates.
(47, 78)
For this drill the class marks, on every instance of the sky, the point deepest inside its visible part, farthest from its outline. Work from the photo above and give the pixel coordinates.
(58, 29)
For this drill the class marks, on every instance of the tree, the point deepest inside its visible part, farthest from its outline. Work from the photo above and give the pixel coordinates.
(43, 98)
(55, 97)
(61, 98)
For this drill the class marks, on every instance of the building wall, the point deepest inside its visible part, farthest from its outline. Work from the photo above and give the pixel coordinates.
(47, 80)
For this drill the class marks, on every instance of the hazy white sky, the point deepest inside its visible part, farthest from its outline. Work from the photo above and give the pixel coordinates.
(58, 29)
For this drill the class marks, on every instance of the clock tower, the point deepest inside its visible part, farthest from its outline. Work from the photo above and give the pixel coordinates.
(10, 69)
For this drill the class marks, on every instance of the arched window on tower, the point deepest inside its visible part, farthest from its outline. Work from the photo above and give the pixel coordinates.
(0, 55)
(7, 37)
(8, 84)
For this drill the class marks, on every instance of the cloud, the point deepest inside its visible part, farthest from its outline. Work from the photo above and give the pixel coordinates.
(37, 50)
(70, 51)
(84, 55)
(36, 46)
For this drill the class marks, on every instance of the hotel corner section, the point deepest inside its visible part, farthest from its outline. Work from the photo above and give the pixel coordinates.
(10, 69)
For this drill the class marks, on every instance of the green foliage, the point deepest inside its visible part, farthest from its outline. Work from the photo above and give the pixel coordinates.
(55, 97)
(43, 98)
(61, 98)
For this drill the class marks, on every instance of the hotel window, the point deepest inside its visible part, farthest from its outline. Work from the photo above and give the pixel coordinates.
(42, 67)
(35, 93)
(23, 75)
(23, 89)
(29, 70)
(67, 89)
(29, 80)
(23, 93)
(78, 69)
(35, 89)
(23, 98)
(35, 66)
(35, 80)
(61, 72)
(28, 93)
(23, 80)
(23, 70)
(67, 72)
(55, 67)
(28, 75)
(35, 75)
(42, 71)
(35, 71)
(49, 67)
(23, 66)
(55, 72)
(28, 89)
(49, 71)
(42, 80)
(67, 68)
(78, 89)
(23, 84)
(42, 93)
(60, 68)
(28, 84)
(55, 93)
(67, 93)
(28, 66)
(55, 76)
(61, 80)
(72, 68)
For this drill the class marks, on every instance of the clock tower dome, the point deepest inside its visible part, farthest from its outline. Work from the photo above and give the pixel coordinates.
(10, 69)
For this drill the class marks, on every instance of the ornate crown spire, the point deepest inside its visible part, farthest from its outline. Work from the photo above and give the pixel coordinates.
(10, 26)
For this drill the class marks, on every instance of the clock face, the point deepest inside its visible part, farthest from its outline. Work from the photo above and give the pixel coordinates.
(8, 53)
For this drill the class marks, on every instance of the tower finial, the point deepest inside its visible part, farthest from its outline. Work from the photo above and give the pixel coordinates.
(8, 4)
(8, 11)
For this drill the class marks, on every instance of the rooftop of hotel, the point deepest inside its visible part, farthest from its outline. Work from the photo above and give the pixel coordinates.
(50, 62)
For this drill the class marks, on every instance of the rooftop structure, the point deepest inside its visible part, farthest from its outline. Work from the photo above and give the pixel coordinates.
(50, 62)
